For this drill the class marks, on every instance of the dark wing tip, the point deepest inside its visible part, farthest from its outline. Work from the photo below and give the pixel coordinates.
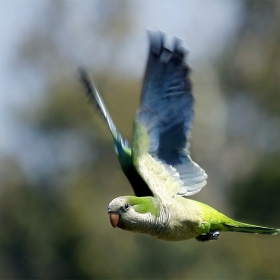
(85, 81)
(156, 38)
(83, 74)
(91, 93)
(158, 47)
(81, 70)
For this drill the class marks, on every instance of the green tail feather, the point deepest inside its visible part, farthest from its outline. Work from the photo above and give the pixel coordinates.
(247, 228)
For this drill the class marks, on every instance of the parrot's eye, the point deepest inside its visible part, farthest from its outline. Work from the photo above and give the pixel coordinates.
(126, 206)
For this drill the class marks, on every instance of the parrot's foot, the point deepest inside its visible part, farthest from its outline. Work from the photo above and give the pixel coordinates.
(211, 235)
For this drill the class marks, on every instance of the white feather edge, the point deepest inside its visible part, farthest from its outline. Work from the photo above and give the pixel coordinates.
(159, 180)
(164, 180)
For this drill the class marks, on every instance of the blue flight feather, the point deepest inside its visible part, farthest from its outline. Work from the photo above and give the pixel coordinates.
(167, 112)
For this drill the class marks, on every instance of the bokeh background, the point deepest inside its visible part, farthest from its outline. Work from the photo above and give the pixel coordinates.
(58, 170)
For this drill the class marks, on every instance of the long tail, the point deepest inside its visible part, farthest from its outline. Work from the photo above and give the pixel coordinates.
(247, 228)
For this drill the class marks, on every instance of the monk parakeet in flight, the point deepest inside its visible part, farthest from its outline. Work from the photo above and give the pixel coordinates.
(158, 164)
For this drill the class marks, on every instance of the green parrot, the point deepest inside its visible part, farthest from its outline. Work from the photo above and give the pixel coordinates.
(158, 164)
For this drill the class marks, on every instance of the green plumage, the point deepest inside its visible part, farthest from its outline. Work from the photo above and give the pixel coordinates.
(218, 221)
(144, 205)
(158, 165)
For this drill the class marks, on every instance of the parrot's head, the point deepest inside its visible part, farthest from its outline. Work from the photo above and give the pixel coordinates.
(133, 213)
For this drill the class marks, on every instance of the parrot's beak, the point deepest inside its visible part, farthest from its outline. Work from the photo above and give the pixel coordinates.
(114, 219)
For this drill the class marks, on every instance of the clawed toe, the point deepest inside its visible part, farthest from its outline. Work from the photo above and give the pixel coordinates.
(211, 235)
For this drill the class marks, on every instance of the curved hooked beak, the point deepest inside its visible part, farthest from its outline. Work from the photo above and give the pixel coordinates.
(114, 219)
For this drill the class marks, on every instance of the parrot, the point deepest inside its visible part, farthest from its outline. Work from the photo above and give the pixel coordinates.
(158, 164)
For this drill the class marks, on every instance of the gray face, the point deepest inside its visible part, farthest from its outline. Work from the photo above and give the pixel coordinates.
(124, 216)
(118, 210)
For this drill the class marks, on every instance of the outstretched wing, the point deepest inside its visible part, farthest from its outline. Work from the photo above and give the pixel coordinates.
(162, 127)
(122, 146)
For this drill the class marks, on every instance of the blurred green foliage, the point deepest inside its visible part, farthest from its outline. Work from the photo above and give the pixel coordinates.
(251, 62)
(251, 67)
(56, 225)
(263, 182)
